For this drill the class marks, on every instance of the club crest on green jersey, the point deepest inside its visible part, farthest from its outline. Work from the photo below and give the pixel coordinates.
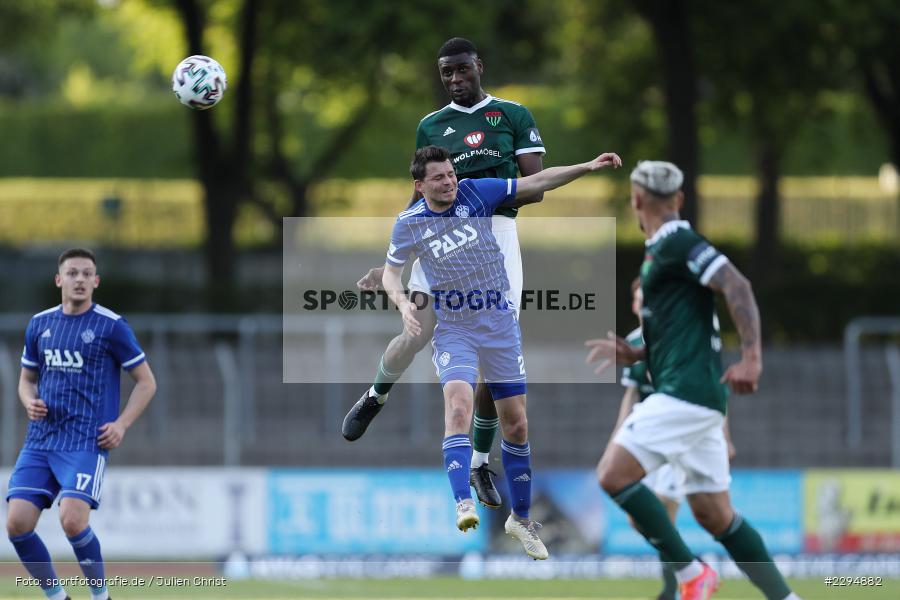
(493, 117)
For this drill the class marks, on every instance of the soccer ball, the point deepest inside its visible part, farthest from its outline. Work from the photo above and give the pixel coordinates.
(199, 82)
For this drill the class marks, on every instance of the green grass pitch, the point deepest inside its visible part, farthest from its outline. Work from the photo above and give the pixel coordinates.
(455, 589)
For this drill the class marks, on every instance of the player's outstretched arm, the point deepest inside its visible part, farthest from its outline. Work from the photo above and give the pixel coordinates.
(35, 408)
(393, 285)
(529, 164)
(742, 376)
(612, 349)
(530, 189)
(111, 434)
(371, 281)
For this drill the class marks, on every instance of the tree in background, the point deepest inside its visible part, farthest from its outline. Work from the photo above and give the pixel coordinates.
(766, 92)
(670, 22)
(869, 49)
(606, 63)
(339, 60)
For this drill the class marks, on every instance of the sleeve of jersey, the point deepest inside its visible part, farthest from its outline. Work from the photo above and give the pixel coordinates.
(124, 346)
(421, 137)
(627, 379)
(703, 261)
(526, 134)
(30, 352)
(401, 244)
(493, 192)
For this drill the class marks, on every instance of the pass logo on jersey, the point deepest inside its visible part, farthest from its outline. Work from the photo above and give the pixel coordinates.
(447, 243)
(53, 357)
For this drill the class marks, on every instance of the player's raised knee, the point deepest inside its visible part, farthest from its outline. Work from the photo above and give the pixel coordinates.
(414, 344)
(73, 522)
(16, 526)
(515, 429)
(610, 479)
(458, 419)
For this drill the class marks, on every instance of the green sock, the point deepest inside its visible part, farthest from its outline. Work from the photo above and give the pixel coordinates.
(483, 433)
(670, 584)
(748, 550)
(654, 524)
(384, 379)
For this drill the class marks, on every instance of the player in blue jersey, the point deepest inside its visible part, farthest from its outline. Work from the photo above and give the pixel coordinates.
(450, 231)
(69, 387)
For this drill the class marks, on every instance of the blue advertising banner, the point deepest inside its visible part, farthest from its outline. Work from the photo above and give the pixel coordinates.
(772, 500)
(390, 511)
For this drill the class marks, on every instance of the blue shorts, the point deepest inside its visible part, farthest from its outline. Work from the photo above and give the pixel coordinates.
(489, 341)
(40, 475)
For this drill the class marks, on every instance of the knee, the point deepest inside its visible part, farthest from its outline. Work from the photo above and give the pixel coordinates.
(72, 522)
(611, 481)
(16, 526)
(413, 344)
(713, 520)
(458, 418)
(516, 429)
(459, 411)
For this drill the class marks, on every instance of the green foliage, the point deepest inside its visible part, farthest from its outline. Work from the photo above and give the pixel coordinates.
(608, 60)
(813, 293)
(98, 141)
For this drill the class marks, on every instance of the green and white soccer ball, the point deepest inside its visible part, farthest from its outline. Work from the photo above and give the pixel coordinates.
(199, 82)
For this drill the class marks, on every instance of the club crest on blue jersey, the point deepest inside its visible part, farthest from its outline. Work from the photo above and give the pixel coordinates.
(87, 336)
(462, 211)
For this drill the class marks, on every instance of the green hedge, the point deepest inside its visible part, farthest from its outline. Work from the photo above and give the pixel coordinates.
(154, 140)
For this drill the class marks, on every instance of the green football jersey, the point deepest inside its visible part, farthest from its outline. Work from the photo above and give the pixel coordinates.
(483, 140)
(636, 375)
(680, 326)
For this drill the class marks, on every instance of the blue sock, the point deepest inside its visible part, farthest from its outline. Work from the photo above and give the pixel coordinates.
(457, 458)
(87, 551)
(34, 555)
(517, 466)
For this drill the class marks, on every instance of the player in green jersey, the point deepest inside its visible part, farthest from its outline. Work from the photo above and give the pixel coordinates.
(667, 482)
(487, 137)
(681, 422)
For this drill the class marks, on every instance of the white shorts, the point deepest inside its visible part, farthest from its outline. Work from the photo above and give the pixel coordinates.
(668, 481)
(504, 229)
(663, 429)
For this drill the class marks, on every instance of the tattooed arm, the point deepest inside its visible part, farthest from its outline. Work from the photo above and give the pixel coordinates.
(742, 376)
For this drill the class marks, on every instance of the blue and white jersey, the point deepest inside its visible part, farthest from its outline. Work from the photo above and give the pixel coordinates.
(457, 248)
(78, 359)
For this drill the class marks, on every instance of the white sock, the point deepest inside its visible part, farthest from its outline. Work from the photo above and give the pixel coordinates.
(380, 397)
(479, 458)
(104, 595)
(792, 596)
(689, 572)
(60, 595)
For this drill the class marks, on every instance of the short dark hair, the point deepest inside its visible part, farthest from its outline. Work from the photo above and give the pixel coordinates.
(425, 155)
(76, 253)
(457, 45)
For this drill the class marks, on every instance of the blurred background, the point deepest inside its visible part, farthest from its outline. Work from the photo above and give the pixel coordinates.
(785, 117)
